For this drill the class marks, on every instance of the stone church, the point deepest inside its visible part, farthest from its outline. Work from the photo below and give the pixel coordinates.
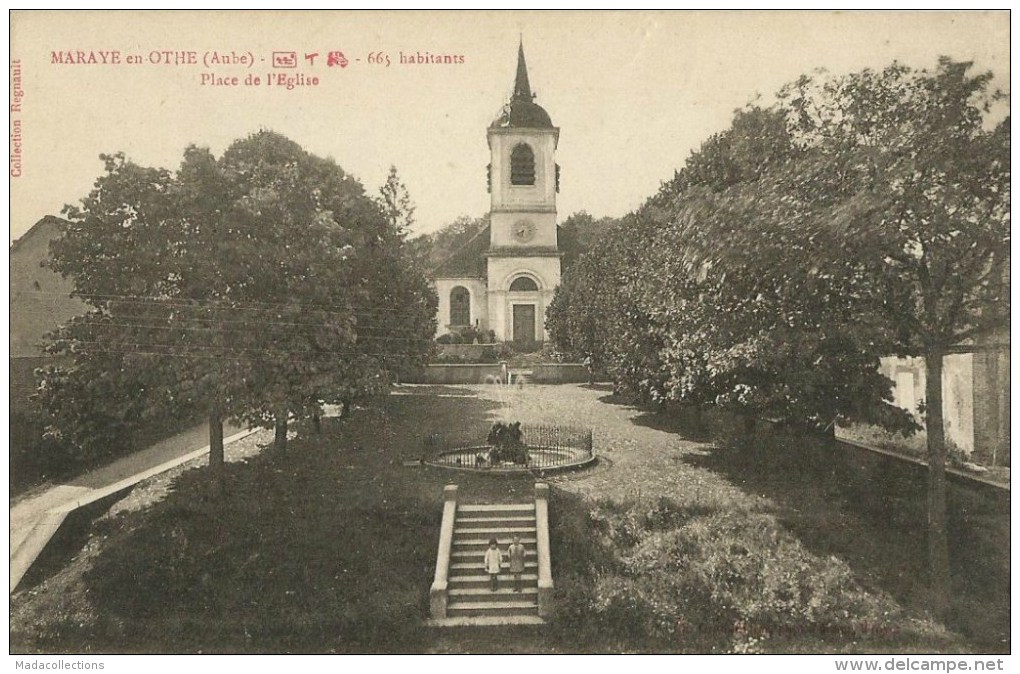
(504, 278)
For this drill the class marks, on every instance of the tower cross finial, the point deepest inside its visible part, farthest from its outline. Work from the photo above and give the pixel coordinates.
(522, 88)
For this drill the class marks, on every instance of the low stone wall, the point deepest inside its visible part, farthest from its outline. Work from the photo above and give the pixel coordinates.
(559, 373)
(454, 374)
(880, 464)
(466, 350)
(554, 373)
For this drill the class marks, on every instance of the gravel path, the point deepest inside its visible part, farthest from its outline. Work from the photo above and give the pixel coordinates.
(644, 462)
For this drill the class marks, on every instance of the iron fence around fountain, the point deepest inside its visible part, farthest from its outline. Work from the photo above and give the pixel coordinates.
(547, 447)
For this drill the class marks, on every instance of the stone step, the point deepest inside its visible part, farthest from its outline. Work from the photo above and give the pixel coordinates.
(482, 580)
(482, 585)
(484, 522)
(485, 621)
(477, 555)
(493, 532)
(491, 608)
(496, 517)
(459, 569)
(495, 508)
(501, 541)
(505, 593)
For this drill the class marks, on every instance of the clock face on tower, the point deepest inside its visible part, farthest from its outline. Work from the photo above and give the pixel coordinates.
(523, 231)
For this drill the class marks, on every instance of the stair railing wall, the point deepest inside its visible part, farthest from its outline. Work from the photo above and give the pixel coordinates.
(438, 591)
(545, 581)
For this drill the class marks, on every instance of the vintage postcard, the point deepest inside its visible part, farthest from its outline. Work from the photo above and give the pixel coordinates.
(510, 332)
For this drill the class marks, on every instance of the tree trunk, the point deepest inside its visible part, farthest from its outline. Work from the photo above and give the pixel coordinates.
(829, 432)
(316, 424)
(697, 420)
(938, 544)
(280, 441)
(216, 468)
(749, 424)
(345, 407)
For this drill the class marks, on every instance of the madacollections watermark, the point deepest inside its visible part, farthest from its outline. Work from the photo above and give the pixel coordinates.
(59, 664)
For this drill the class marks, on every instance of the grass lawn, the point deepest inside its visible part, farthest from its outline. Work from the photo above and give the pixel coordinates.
(331, 547)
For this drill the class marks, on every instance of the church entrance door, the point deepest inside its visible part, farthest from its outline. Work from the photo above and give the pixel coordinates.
(524, 322)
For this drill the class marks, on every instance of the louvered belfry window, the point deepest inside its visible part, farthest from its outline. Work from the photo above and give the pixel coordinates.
(522, 165)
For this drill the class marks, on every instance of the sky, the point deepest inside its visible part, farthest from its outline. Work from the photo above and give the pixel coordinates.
(633, 93)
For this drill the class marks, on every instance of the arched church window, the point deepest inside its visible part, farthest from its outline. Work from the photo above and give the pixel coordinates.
(523, 284)
(522, 165)
(460, 306)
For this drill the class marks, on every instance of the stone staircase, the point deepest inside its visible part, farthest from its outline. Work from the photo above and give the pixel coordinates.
(467, 597)
(470, 593)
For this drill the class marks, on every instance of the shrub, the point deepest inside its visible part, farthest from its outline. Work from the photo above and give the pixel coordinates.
(721, 580)
(530, 346)
(34, 456)
(551, 354)
(757, 574)
(488, 355)
(444, 339)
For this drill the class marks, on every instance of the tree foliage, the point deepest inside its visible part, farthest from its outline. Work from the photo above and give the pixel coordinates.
(931, 218)
(256, 286)
(396, 203)
(860, 216)
(433, 248)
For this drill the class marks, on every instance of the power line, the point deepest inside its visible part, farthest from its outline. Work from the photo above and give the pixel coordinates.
(226, 303)
(223, 350)
(220, 357)
(390, 335)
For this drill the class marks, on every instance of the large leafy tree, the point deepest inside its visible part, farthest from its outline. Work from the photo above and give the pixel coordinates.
(931, 217)
(433, 248)
(712, 294)
(861, 216)
(255, 286)
(118, 376)
(758, 308)
(595, 312)
(577, 233)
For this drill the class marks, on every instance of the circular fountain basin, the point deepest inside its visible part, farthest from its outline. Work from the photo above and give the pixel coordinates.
(546, 459)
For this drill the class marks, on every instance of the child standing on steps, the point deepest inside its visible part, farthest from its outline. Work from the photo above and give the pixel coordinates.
(493, 563)
(515, 553)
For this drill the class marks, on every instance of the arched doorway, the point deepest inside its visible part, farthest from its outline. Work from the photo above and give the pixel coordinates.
(524, 307)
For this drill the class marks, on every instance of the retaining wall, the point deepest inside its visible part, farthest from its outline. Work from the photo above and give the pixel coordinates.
(553, 373)
(453, 374)
(467, 350)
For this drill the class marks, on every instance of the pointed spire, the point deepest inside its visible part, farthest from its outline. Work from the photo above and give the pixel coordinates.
(522, 88)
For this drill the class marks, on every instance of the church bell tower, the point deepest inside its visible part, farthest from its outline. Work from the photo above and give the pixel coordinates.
(523, 256)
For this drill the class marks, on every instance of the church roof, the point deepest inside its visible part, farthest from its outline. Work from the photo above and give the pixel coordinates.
(522, 111)
(468, 261)
(522, 87)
